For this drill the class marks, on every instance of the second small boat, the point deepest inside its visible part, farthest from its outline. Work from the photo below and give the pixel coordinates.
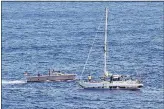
(51, 76)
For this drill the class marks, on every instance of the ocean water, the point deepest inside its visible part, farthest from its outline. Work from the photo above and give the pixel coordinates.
(37, 36)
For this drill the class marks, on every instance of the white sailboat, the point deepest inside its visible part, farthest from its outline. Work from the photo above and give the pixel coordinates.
(110, 81)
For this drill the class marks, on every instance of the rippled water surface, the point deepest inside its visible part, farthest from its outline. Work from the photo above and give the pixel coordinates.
(37, 36)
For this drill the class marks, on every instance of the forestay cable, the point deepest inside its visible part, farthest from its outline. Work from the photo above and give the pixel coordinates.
(90, 50)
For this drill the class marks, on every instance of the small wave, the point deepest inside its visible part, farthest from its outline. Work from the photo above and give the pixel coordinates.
(13, 81)
(153, 90)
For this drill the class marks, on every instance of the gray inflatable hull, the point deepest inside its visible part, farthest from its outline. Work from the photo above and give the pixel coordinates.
(44, 78)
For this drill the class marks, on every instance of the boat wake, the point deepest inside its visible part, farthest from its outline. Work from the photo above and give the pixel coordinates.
(13, 81)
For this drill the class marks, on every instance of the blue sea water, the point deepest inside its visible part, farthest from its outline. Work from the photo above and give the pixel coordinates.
(37, 36)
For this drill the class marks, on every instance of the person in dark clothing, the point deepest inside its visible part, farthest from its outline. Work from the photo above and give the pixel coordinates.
(49, 72)
(38, 74)
(111, 78)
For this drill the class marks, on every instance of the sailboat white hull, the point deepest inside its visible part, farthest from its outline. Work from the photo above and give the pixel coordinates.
(111, 85)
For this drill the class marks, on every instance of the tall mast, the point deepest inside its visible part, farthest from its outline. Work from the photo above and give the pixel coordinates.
(105, 42)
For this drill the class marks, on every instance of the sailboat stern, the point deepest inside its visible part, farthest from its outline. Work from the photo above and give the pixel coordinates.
(91, 85)
(85, 84)
(81, 84)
